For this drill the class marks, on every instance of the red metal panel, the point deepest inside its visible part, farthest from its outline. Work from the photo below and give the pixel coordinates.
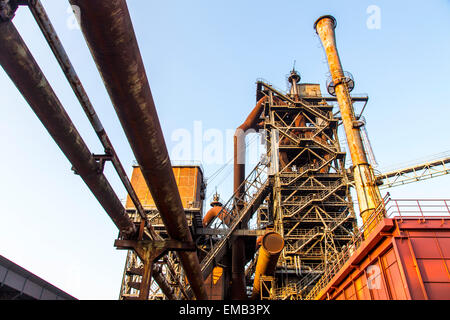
(425, 248)
(438, 291)
(340, 296)
(413, 284)
(350, 292)
(362, 291)
(433, 270)
(409, 261)
(393, 276)
(444, 245)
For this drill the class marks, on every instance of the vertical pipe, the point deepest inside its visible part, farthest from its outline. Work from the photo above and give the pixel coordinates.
(109, 32)
(239, 146)
(368, 193)
(19, 64)
(238, 286)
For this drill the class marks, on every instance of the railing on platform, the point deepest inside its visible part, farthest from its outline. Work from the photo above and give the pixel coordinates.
(424, 208)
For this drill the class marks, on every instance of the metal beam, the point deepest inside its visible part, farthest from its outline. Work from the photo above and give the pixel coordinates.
(19, 64)
(238, 232)
(414, 173)
(56, 46)
(109, 33)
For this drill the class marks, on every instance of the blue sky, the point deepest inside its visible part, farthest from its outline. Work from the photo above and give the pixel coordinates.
(202, 59)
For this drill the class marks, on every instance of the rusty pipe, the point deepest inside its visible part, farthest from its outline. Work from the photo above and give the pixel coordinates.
(109, 32)
(238, 286)
(21, 67)
(58, 50)
(239, 146)
(369, 196)
(272, 244)
(238, 249)
(165, 287)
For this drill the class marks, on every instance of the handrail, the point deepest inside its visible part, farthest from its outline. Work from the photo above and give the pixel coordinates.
(315, 197)
(256, 180)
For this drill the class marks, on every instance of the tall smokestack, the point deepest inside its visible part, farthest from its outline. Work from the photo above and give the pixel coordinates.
(368, 194)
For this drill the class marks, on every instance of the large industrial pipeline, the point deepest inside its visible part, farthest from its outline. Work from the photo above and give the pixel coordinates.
(50, 34)
(21, 67)
(239, 147)
(369, 196)
(238, 290)
(109, 33)
(272, 244)
(56, 46)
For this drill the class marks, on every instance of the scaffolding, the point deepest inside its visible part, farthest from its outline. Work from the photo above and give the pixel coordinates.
(311, 206)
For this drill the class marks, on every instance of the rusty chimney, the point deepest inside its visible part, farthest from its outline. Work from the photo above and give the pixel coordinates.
(340, 85)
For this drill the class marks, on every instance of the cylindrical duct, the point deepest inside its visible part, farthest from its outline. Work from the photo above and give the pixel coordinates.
(272, 244)
(368, 194)
(239, 146)
(238, 248)
(216, 211)
(166, 288)
(109, 33)
(56, 46)
(238, 287)
(24, 71)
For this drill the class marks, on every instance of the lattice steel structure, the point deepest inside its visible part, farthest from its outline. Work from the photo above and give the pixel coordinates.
(170, 273)
(311, 206)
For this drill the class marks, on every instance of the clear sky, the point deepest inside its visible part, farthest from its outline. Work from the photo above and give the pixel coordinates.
(202, 59)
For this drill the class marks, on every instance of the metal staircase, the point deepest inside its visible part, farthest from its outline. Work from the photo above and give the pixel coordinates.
(305, 201)
(257, 187)
(256, 190)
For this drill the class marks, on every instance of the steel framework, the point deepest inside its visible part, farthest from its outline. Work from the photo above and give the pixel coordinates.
(311, 206)
(419, 172)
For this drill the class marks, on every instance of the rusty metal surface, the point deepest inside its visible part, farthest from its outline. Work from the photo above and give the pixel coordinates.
(272, 244)
(239, 145)
(238, 249)
(23, 70)
(120, 63)
(165, 287)
(365, 183)
(56, 46)
(216, 211)
(189, 181)
(238, 287)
